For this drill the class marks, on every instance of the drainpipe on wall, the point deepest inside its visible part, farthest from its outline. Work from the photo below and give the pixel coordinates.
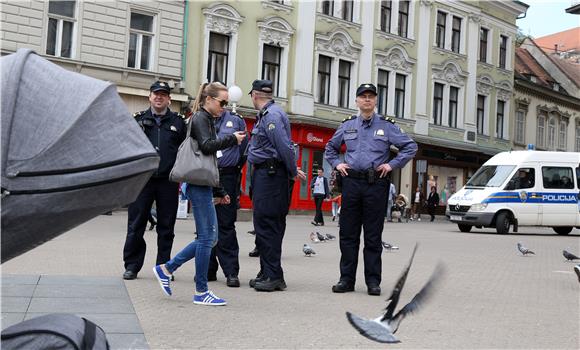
(184, 44)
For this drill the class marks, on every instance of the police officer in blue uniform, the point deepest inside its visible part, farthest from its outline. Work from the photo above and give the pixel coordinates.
(230, 163)
(165, 130)
(368, 137)
(271, 154)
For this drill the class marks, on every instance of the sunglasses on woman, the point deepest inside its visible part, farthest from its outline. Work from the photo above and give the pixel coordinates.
(223, 103)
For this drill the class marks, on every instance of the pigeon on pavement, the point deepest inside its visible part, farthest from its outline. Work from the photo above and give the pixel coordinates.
(569, 256)
(525, 251)
(314, 237)
(382, 328)
(308, 251)
(330, 237)
(389, 246)
(321, 237)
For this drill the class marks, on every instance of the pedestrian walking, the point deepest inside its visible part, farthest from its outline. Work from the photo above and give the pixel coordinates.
(365, 187)
(432, 202)
(230, 163)
(209, 103)
(391, 200)
(272, 156)
(320, 192)
(417, 200)
(165, 130)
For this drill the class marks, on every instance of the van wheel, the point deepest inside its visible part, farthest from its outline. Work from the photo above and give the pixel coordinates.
(502, 223)
(562, 230)
(464, 228)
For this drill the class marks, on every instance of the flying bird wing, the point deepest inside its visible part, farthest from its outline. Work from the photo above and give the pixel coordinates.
(395, 295)
(371, 329)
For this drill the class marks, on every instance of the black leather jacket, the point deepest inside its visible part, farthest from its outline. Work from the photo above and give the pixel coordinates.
(203, 130)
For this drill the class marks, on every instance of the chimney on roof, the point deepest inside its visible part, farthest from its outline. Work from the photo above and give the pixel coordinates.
(555, 48)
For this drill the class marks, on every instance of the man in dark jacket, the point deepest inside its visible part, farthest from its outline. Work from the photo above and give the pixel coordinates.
(320, 191)
(432, 202)
(166, 130)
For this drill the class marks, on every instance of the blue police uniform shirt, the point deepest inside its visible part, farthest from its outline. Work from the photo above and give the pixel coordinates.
(227, 124)
(368, 143)
(271, 138)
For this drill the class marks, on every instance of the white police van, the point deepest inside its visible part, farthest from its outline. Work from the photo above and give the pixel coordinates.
(520, 188)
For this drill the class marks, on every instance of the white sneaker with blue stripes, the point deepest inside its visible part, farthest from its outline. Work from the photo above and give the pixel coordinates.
(208, 298)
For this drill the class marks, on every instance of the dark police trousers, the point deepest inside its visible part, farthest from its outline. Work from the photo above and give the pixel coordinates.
(164, 193)
(227, 249)
(363, 205)
(270, 205)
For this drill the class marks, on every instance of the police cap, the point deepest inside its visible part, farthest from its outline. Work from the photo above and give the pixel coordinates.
(160, 86)
(366, 88)
(262, 85)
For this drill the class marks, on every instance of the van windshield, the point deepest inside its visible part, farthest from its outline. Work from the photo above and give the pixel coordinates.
(490, 176)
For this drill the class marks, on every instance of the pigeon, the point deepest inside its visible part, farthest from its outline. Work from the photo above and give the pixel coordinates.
(314, 237)
(383, 328)
(389, 246)
(569, 256)
(330, 237)
(525, 251)
(321, 237)
(308, 251)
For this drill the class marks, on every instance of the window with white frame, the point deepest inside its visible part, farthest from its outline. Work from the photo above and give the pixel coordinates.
(324, 72)
(481, 114)
(438, 104)
(382, 91)
(551, 133)
(400, 95)
(499, 127)
(141, 37)
(61, 28)
(386, 8)
(328, 7)
(483, 34)
(217, 58)
(440, 31)
(403, 25)
(453, 100)
(562, 135)
(577, 143)
(520, 127)
(347, 10)
(343, 83)
(541, 131)
(455, 34)
(271, 66)
(502, 51)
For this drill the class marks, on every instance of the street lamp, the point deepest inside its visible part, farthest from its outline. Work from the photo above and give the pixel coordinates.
(235, 95)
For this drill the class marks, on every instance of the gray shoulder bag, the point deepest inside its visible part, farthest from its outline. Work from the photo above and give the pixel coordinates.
(192, 166)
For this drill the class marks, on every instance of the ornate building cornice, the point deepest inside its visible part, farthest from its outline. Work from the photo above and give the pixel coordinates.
(275, 31)
(450, 72)
(338, 43)
(222, 18)
(395, 58)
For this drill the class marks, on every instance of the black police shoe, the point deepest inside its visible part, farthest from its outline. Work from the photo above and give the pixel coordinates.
(233, 281)
(259, 277)
(343, 287)
(129, 275)
(269, 285)
(254, 253)
(374, 289)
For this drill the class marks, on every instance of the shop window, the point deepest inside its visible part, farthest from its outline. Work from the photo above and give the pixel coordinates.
(400, 95)
(61, 28)
(446, 180)
(382, 91)
(305, 163)
(453, 100)
(438, 104)
(271, 66)
(557, 178)
(324, 69)
(483, 33)
(386, 7)
(217, 65)
(480, 114)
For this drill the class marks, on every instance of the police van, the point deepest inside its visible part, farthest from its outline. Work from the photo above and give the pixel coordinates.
(520, 188)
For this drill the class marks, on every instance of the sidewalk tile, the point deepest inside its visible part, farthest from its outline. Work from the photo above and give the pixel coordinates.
(127, 341)
(17, 290)
(11, 318)
(81, 305)
(80, 291)
(15, 304)
(20, 279)
(80, 280)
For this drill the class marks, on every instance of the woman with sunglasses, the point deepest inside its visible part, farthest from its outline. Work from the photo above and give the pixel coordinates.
(209, 103)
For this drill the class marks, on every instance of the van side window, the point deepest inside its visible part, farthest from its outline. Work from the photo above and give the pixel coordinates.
(523, 178)
(558, 177)
(578, 177)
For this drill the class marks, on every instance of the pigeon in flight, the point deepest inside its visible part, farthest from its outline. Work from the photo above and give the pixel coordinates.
(308, 251)
(321, 237)
(389, 246)
(314, 237)
(330, 237)
(525, 251)
(383, 328)
(569, 256)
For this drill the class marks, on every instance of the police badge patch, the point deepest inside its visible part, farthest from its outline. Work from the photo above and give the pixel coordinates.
(229, 124)
(271, 126)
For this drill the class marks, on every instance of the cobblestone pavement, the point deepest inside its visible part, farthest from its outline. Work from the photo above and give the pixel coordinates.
(491, 297)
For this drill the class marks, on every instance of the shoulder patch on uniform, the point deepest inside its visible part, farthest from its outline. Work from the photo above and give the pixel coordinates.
(137, 114)
(180, 115)
(349, 118)
(237, 115)
(389, 119)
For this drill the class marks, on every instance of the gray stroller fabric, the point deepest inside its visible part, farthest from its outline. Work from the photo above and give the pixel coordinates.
(70, 151)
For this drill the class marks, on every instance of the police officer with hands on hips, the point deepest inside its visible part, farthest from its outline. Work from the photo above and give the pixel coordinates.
(368, 137)
(272, 156)
(166, 131)
(230, 163)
